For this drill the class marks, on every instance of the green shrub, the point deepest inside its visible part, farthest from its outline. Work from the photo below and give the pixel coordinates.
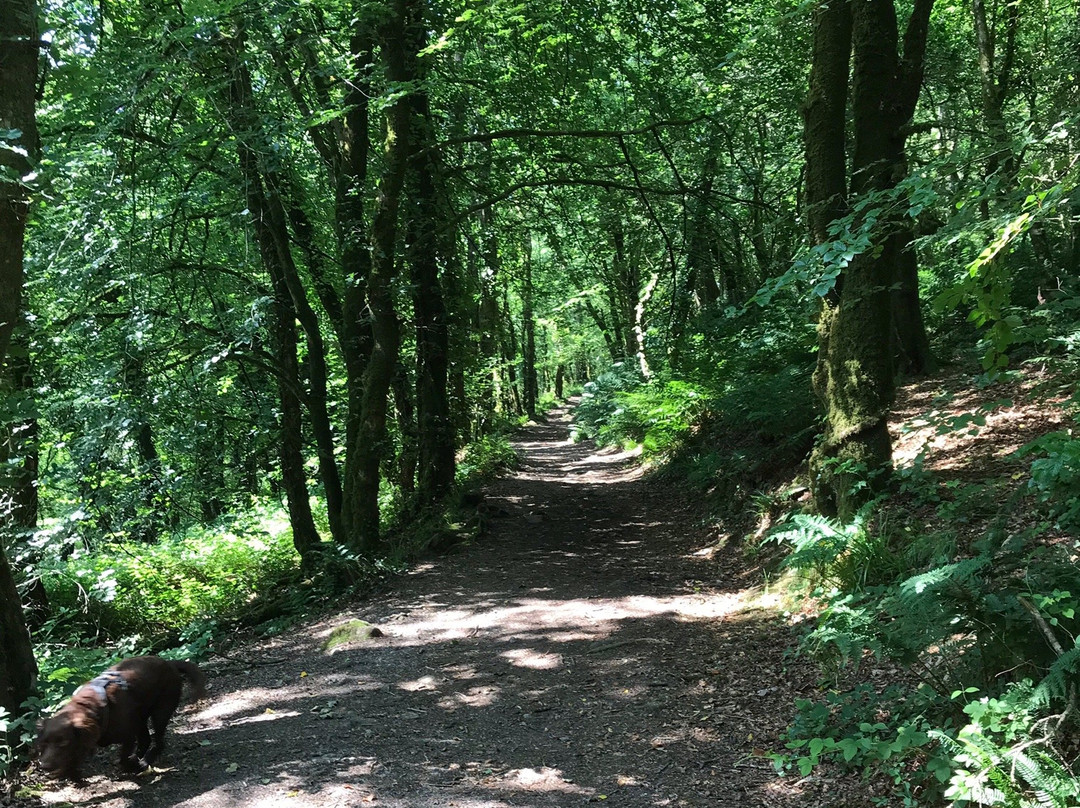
(600, 401)
(618, 407)
(986, 622)
(156, 590)
(1055, 475)
(486, 456)
(656, 415)
(1001, 759)
(875, 732)
(841, 556)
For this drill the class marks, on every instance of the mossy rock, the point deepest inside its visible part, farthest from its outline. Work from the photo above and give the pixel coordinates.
(355, 631)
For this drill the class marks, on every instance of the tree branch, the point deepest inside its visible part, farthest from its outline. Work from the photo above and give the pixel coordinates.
(504, 134)
(610, 185)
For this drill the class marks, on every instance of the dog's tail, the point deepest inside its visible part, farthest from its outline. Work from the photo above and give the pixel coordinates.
(195, 677)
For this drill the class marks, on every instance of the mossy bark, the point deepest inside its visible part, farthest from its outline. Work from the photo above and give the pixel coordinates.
(371, 442)
(855, 376)
(854, 380)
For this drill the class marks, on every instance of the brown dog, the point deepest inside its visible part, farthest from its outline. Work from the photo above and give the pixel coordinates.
(115, 708)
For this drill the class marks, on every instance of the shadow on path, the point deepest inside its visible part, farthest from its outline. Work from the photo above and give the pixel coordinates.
(586, 649)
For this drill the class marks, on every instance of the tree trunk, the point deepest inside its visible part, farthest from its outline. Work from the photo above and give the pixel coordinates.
(623, 296)
(512, 394)
(318, 375)
(19, 464)
(489, 326)
(406, 422)
(352, 228)
(19, 440)
(825, 118)
(365, 453)
(18, 669)
(343, 144)
(267, 218)
(855, 373)
(19, 44)
(528, 330)
(435, 427)
(137, 384)
(911, 345)
(291, 452)
(996, 82)
(639, 326)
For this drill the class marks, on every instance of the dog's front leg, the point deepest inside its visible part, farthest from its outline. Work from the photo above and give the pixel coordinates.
(143, 747)
(129, 762)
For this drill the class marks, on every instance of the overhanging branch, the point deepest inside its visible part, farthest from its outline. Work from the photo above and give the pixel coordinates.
(505, 134)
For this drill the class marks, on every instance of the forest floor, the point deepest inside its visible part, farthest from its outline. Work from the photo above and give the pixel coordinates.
(596, 644)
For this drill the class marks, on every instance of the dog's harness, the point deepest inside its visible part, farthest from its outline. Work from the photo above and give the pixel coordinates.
(100, 684)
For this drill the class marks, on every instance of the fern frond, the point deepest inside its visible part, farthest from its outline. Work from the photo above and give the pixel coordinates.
(1055, 684)
(953, 574)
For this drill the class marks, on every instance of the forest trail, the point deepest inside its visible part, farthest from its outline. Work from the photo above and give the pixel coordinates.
(587, 648)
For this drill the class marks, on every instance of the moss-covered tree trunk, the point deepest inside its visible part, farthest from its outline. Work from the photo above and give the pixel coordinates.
(856, 369)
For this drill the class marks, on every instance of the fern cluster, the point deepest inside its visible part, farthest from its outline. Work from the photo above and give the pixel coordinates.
(1001, 622)
(1000, 760)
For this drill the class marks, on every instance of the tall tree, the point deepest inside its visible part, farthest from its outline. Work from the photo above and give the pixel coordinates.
(271, 234)
(428, 247)
(399, 34)
(856, 359)
(19, 44)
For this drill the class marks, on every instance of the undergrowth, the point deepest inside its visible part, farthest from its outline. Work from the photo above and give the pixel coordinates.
(735, 415)
(185, 594)
(982, 642)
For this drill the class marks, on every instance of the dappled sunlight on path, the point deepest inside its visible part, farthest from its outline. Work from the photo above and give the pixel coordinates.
(583, 650)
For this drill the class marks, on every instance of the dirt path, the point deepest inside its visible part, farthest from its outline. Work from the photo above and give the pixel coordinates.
(584, 650)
